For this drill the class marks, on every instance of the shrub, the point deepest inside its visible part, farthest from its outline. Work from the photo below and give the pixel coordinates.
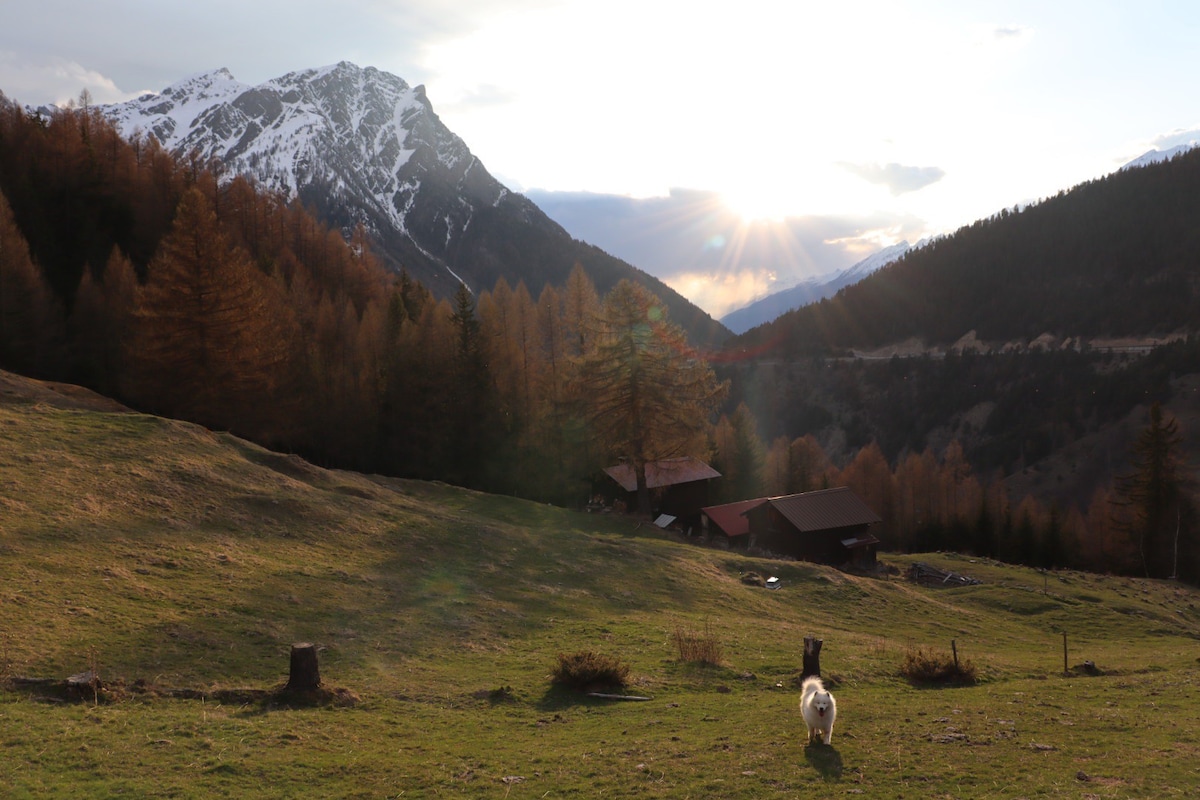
(586, 670)
(701, 648)
(926, 666)
(753, 579)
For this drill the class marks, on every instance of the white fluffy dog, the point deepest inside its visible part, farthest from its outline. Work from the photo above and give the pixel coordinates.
(819, 709)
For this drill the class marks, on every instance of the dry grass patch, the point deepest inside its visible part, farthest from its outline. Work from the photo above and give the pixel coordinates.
(588, 671)
(928, 666)
(698, 647)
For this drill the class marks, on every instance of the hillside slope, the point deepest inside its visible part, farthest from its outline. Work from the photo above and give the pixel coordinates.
(1112, 257)
(153, 550)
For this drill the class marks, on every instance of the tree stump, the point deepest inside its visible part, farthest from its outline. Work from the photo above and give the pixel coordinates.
(85, 685)
(303, 674)
(812, 657)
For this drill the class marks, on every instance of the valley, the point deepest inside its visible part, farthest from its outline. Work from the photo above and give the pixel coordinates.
(287, 370)
(168, 557)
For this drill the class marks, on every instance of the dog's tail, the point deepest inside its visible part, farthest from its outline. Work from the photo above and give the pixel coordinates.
(812, 684)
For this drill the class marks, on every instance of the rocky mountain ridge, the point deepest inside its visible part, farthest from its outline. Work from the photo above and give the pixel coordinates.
(361, 146)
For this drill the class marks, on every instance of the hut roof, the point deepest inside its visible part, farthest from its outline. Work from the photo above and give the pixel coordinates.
(666, 472)
(826, 509)
(731, 517)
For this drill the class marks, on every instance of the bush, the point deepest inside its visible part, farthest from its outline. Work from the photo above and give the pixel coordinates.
(926, 666)
(701, 648)
(588, 671)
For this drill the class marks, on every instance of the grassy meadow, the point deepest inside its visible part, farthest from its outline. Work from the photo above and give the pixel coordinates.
(167, 557)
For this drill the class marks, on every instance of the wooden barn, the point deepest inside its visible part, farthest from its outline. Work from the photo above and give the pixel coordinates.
(678, 486)
(729, 522)
(831, 526)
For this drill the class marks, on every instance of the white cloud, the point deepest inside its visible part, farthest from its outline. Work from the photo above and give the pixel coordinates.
(898, 178)
(1011, 32)
(1176, 138)
(478, 97)
(709, 254)
(720, 294)
(55, 80)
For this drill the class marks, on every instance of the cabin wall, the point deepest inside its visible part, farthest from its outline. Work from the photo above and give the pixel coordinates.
(771, 531)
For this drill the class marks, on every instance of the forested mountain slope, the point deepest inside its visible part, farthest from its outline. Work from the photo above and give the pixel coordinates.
(148, 279)
(360, 146)
(1113, 257)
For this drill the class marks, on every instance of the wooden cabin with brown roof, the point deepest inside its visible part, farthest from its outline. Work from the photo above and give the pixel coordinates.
(678, 486)
(729, 523)
(830, 526)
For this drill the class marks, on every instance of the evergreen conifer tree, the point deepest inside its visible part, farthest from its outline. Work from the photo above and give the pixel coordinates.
(30, 320)
(1153, 493)
(471, 403)
(646, 395)
(212, 338)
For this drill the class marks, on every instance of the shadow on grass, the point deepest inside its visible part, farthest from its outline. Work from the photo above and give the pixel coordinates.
(258, 702)
(559, 698)
(88, 689)
(825, 759)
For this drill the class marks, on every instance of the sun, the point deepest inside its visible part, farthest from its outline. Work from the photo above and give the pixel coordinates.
(790, 190)
(761, 203)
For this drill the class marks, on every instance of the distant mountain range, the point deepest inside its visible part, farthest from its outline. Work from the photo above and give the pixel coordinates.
(1155, 156)
(809, 291)
(696, 242)
(362, 146)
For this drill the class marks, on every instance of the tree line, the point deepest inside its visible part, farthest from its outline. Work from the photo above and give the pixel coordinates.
(1144, 522)
(1009, 410)
(154, 281)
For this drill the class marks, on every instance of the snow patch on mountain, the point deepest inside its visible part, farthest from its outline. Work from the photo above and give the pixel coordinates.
(363, 138)
(361, 146)
(1191, 140)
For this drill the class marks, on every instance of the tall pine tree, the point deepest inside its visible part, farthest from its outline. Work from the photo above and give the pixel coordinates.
(212, 337)
(1153, 492)
(645, 394)
(30, 320)
(471, 399)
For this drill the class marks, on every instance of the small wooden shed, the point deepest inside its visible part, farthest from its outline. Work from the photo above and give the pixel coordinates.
(729, 521)
(678, 486)
(830, 526)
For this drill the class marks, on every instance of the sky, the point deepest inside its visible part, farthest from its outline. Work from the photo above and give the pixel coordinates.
(817, 131)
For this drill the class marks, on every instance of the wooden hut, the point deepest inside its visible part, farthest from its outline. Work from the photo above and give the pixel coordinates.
(730, 522)
(678, 486)
(831, 526)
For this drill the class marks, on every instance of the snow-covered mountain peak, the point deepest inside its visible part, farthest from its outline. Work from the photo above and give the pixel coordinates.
(875, 262)
(811, 290)
(356, 139)
(339, 124)
(361, 146)
(204, 86)
(1188, 140)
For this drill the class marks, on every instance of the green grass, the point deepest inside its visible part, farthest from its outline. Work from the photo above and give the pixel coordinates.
(158, 551)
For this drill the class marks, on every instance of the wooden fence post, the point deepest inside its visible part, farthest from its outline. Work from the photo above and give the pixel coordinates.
(812, 657)
(303, 674)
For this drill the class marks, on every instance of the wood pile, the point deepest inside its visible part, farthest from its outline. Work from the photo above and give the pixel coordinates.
(928, 575)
